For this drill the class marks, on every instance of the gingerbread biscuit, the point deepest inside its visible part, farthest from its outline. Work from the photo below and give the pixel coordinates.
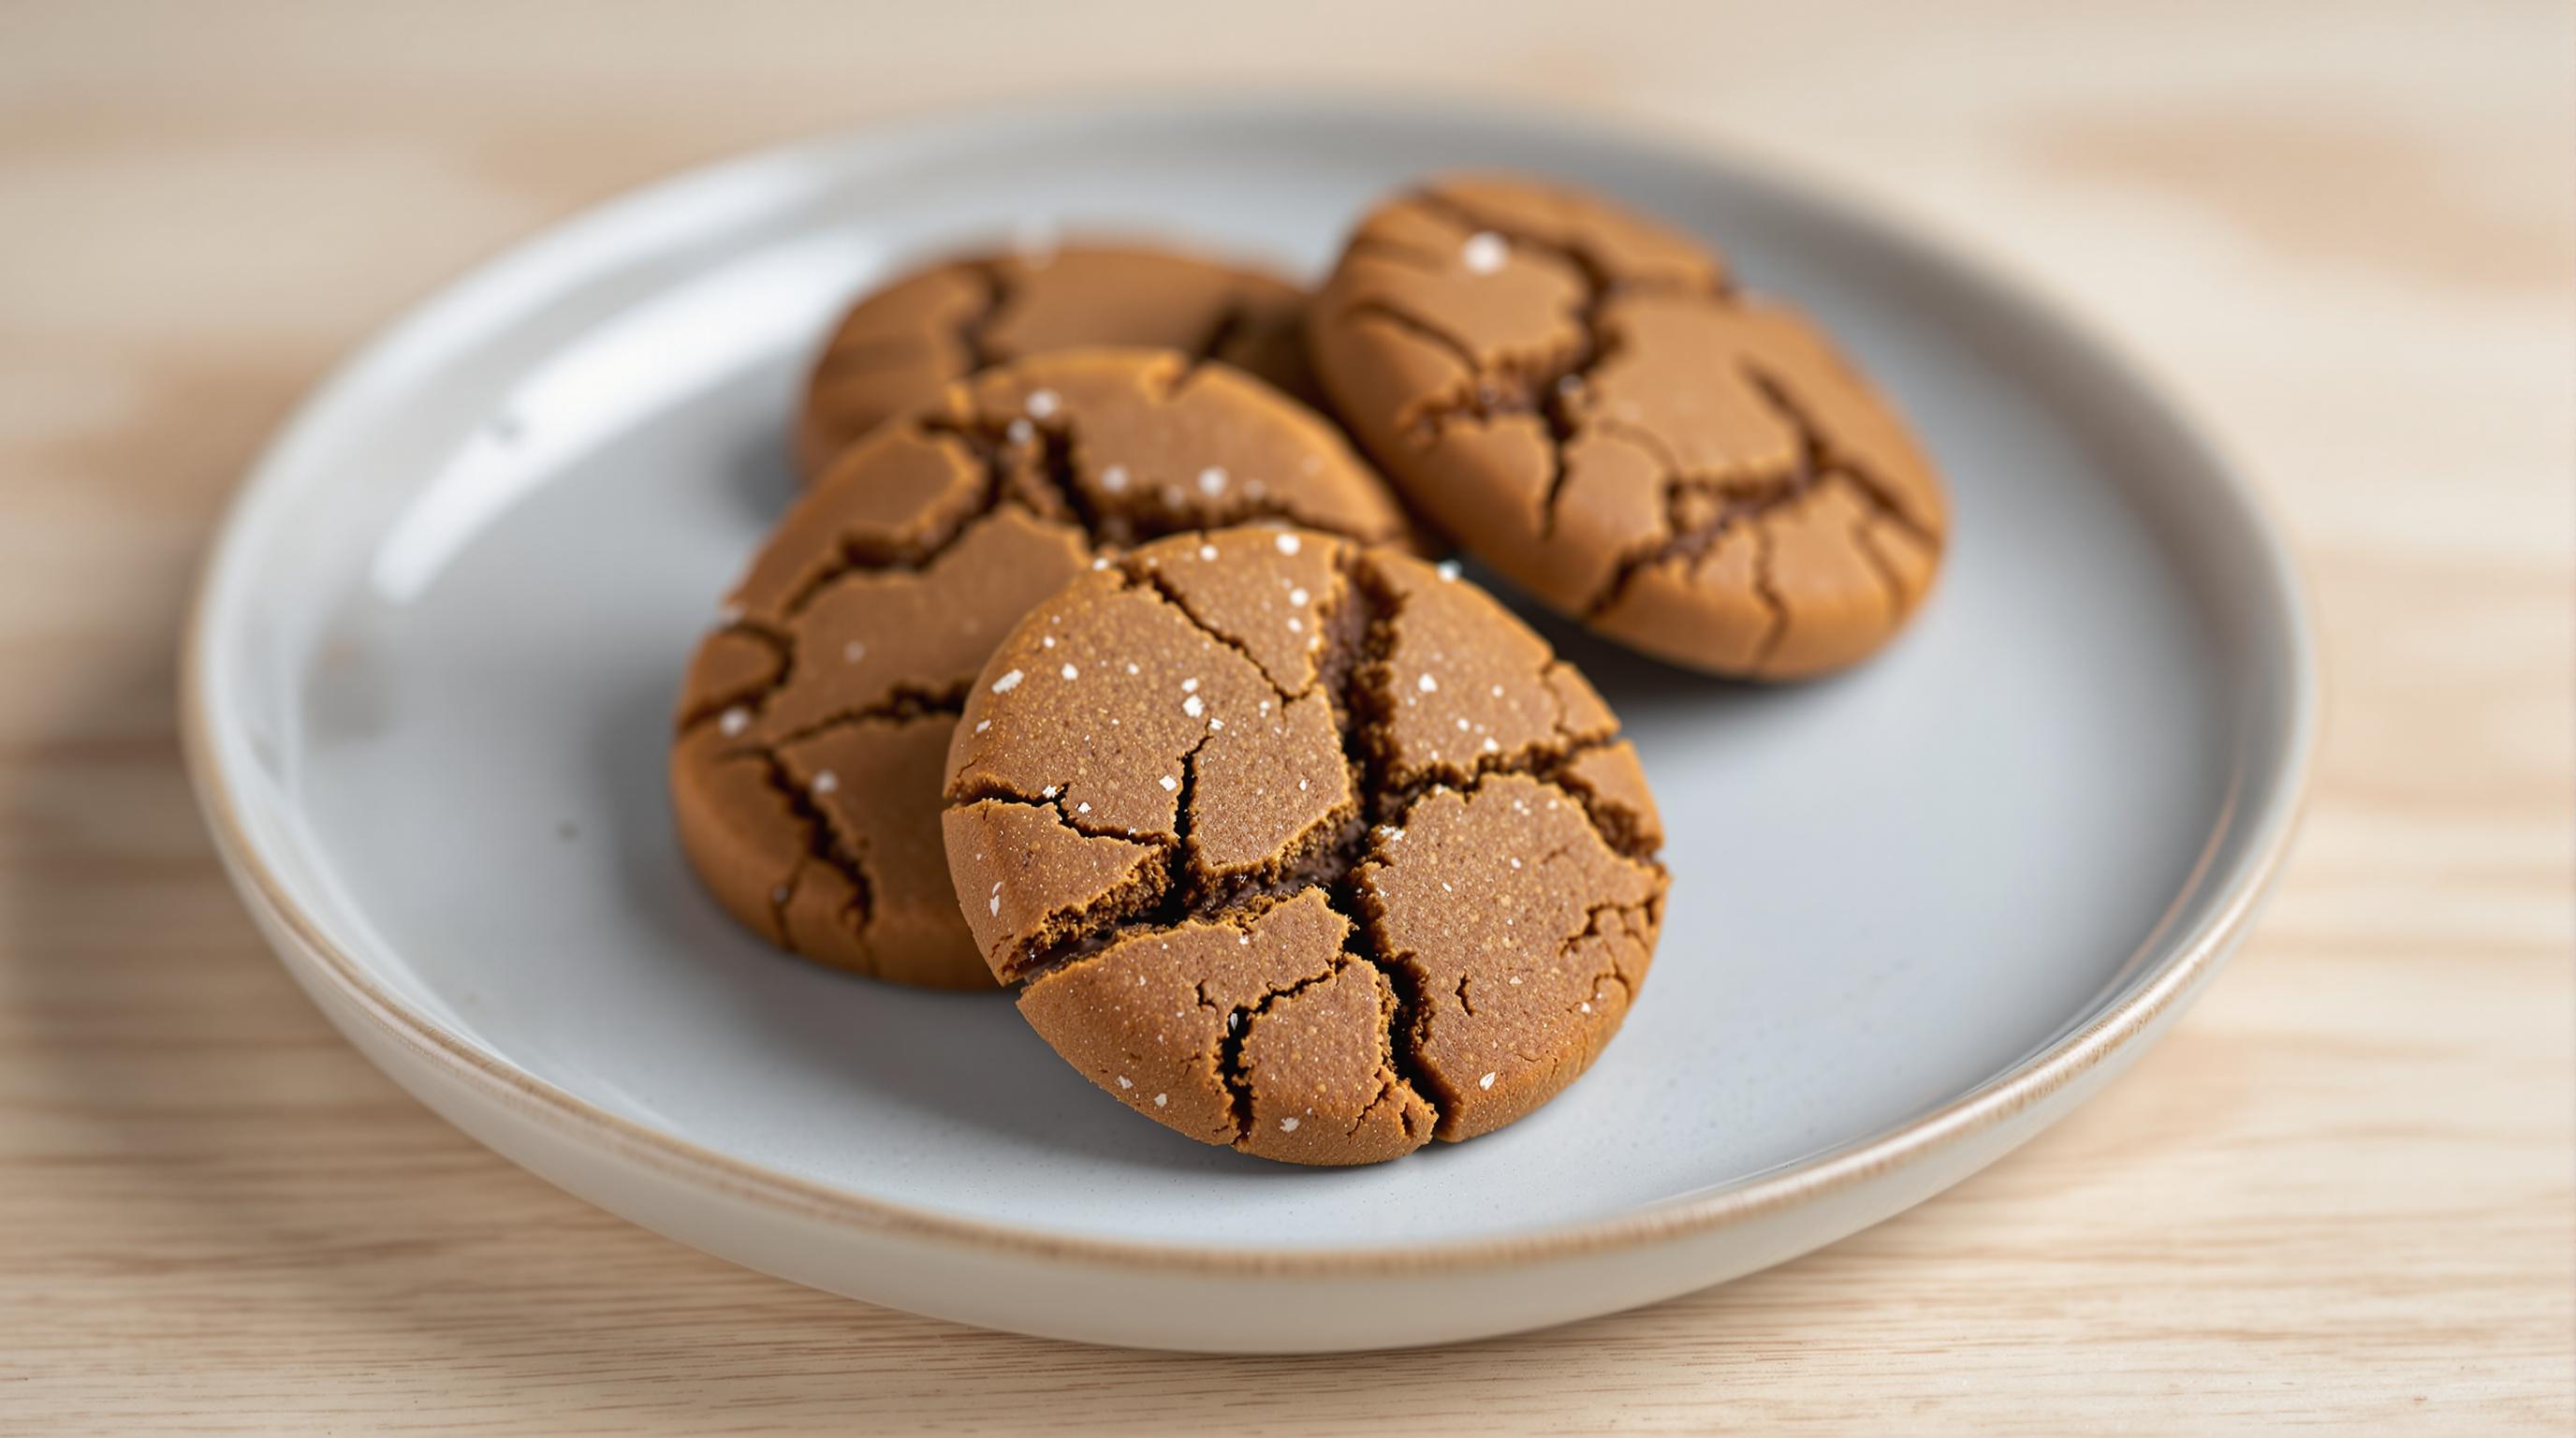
(813, 722)
(1585, 401)
(900, 344)
(1303, 848)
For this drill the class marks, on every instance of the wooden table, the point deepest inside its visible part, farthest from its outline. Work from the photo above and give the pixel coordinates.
(2340, 1192)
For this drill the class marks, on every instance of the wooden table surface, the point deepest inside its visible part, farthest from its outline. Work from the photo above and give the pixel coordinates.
(2340, 1192)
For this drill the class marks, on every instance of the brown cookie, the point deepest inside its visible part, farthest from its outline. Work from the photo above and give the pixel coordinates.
(812, 724)
(1583, 399)
(1305, 848)
(900, 344)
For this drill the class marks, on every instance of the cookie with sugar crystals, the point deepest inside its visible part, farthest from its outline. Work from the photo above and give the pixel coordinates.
(1584, 399)
(1301, 847)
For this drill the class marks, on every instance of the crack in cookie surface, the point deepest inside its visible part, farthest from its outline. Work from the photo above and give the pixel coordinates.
(1335, 748)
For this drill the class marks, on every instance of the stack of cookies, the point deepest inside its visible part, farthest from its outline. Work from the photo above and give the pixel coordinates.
(1105, 658)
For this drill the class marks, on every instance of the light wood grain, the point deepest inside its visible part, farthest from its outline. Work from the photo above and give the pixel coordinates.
(2338, 1195)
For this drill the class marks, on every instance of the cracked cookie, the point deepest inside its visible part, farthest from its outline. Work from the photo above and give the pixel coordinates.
(813, 721)
(900, 344)
(1585, 400)
(1301, 847)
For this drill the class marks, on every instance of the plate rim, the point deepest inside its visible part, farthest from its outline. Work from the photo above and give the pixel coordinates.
(2171, 977)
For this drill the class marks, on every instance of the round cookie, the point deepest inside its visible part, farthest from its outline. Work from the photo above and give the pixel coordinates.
(1583, 399)
(1301, 847)
(900, 344)
(813, 722)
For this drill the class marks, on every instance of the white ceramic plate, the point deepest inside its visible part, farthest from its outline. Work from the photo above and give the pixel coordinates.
(1919, 911)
